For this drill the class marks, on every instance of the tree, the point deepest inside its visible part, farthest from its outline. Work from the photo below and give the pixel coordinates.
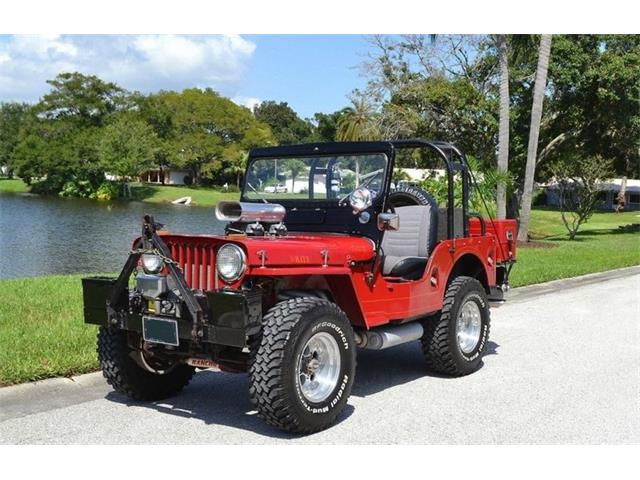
(436, 87)
(12, 116)
(621, 197)
(534, 132)
(296, 167)
(286, 125)
(503, 127)
(593, 99)
(202, 131)
(57, 144)
(578, 184)
(51, 153)
(445, 109)
(127, 148)
(327, 125)
(358, 122)
(85, 99)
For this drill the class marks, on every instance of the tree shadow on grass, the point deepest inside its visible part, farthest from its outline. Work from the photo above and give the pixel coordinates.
(582, 235)
(142, 192)
(218, 398)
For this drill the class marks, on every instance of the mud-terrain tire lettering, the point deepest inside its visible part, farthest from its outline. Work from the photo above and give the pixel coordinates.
(275, 388)
(439, 342)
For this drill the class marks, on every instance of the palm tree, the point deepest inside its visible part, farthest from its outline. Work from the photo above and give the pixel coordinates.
(503, 129)
(358, 123)
(534, 132)
(296, 167)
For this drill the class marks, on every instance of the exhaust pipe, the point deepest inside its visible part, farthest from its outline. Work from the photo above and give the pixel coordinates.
(245, 212)
(389, 336)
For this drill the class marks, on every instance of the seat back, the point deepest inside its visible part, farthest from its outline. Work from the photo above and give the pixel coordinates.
(417, 234)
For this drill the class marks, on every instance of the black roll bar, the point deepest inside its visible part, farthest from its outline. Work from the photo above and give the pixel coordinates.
(461, 165)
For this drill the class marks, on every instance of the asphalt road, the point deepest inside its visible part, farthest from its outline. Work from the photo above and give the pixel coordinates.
(563, 367)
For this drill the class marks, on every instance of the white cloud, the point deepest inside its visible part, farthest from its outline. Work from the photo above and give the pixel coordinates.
(249, 102)
(143, 62)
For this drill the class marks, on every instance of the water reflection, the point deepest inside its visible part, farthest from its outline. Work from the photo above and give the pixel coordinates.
(49, 235)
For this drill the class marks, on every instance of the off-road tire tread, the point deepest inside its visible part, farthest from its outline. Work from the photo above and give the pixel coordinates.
(418, 195)
(128, 378)
(266, 390)
(435, 342)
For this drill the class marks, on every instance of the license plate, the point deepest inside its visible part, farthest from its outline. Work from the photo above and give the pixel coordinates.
(160, 330)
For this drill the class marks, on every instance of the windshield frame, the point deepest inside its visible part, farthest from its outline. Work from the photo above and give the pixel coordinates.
(327, 216)
(338, 201)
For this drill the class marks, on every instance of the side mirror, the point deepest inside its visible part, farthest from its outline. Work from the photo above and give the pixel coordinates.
(388, 221)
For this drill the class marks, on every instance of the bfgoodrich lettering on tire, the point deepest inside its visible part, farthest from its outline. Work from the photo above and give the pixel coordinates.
(455, 340)
(303, 367)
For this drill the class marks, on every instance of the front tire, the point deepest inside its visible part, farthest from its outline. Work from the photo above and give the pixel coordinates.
(303, 368)
(129, 373)
(455, 340)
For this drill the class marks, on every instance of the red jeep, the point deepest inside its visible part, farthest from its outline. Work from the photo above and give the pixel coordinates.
(300, 279)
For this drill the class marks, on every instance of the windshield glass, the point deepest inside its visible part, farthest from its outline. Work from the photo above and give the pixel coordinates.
(314, 178)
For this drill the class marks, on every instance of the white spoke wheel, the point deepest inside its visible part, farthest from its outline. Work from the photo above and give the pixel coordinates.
(455, 340)
(319, 367)
(303, 365)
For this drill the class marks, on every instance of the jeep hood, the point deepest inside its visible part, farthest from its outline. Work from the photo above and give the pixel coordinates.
(292, 250)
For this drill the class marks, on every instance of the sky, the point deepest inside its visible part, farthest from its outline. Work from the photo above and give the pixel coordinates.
(313, 73)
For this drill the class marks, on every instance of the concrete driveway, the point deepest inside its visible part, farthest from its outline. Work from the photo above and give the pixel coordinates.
(563, 367)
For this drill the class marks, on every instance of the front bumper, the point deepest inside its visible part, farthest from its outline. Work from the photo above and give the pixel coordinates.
(230, 316)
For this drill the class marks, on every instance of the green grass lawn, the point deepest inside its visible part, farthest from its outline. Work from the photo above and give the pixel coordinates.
(600, 245)
(42, 333)
(13, 185)
(202, 196)
(147, 192)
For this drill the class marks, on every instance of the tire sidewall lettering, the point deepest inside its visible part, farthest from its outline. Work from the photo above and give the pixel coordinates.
(334, 399)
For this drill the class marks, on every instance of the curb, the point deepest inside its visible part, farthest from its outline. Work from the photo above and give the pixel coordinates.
(44, 395)
(530, 291)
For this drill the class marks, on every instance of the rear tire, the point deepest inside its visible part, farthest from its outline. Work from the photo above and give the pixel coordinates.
(120, 365)
(455, 340)
(407, 195)
(303, 367)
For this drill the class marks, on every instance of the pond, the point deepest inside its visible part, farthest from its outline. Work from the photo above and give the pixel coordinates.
(51, 236)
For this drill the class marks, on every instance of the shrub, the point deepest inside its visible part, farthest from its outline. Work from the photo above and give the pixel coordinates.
(77, 188)
(107, 191)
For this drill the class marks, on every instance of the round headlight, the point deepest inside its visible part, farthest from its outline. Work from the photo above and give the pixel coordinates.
(360, 199)
(230, 262)
(152, 263)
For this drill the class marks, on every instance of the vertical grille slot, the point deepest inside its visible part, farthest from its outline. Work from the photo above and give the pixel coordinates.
(197, 262)
(212, 270)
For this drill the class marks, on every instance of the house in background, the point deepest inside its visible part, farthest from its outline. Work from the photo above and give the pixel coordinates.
(608, 194)
(166, 176)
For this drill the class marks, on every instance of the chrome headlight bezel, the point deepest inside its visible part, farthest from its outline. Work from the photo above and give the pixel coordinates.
(241, 257)
(152, 263)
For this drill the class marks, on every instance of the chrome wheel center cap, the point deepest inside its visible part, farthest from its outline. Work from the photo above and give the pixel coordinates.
(319, 367)
(313, 366)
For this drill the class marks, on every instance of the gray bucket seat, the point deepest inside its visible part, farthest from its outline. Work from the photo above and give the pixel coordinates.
(407, 249)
